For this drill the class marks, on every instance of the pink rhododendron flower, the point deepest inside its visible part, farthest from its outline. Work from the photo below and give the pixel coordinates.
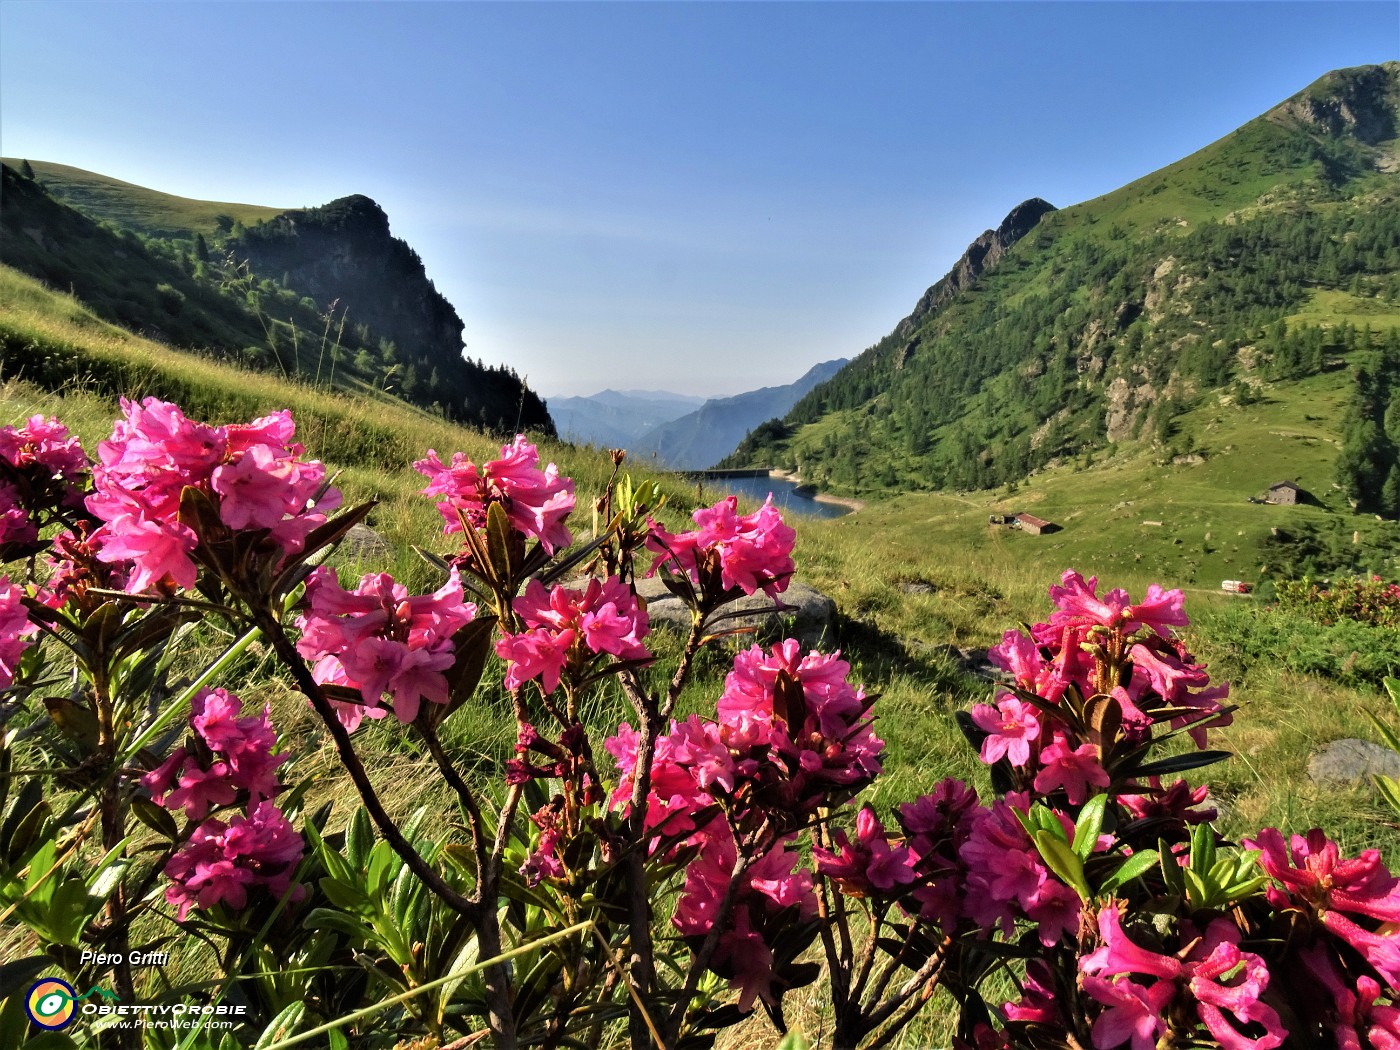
(1021, 657)
(235, 756)
(221, 862)
(1038, 997)
(1176, 802)
(754, 551)
(1224, 984)
(1012, 728)
(1078, 605)
(1004, 870)
(569, 627)
(42, 473)
(1076, 770)
(253, 473)
(823, 741)
(1055, 909)
(381, 641)
(1346, 896)
(536, 502)
(1136, 1013)
(869, 865)
(15, 629)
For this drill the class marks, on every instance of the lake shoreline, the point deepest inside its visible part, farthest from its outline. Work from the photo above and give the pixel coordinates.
(793, 478)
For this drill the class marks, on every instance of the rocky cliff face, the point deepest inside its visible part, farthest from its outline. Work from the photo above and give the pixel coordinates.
(343, 251)
(1358, 103)
(981, 255)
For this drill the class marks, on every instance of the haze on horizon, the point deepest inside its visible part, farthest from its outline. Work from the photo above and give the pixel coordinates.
(701, 198)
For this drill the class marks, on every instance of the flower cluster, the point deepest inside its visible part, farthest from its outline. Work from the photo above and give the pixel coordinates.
(536, 501)
(228, 757)
(228, 760)
(1006, 878)
(1365, 599)
(739, 552)
(568, 628)
(771, 893)
(791, 736)
(1094, 647)
(221, 862)
(378, 640)
(253, 472)
(1209, 973)
(1345, 911)
(15, 629)
(43, 471)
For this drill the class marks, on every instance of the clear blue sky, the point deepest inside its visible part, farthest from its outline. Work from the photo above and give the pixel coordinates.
(700, 197)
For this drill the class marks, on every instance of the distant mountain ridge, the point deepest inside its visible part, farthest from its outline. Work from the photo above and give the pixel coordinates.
(1268, 256)
(617, 418)
(700, 439)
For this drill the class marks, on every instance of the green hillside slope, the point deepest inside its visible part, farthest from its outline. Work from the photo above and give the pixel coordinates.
(138, 208)
(1267, 257)
(332, 299)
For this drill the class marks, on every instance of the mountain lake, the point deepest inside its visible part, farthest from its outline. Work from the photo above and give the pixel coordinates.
(785, 495)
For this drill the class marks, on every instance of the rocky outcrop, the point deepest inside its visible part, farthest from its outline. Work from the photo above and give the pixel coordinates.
(1358, 103)
(343, 256)
(981, 255)
(344, 252)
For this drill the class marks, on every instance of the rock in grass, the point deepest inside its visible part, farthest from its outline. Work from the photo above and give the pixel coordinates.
(363, 544)
(1350, 760)
(808, 620)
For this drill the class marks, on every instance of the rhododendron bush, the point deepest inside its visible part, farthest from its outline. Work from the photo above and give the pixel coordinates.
(649, 880)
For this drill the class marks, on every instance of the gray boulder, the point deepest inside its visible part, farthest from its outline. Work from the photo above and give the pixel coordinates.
(1352, 760)
(363, 544)
(808, 618)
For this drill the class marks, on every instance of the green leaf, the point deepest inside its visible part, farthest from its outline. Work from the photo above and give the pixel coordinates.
(283, 1025)
(1063, 861)
(1179, 763)
(346, 897)
(1392, 686)
(1138, 864)
(381, 868)
(1390, 736)
(1196, 891)
(339, 921)
(68, 912)
(15, 975)
(359, 838)
(1202, 848)
(499, 540)
(1089, 826)
(1389, 789)
(336, 865)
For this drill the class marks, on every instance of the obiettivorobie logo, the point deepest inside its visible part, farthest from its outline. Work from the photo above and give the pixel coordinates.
(53, 1004)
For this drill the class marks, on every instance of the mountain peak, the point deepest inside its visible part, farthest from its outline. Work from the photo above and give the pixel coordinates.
(981, 255)
(1360, 103)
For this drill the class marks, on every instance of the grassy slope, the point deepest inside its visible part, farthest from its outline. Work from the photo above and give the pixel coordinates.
(136, 207)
